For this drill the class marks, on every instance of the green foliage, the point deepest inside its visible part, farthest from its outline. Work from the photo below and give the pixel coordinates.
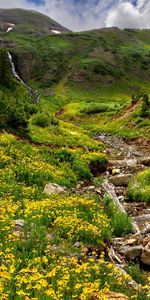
(136, 273)
(139, 187)
(44, 120)
(5, 70)
(145, 107)
(13, 111)
(94, 108)
(81, 169)
(120, 222)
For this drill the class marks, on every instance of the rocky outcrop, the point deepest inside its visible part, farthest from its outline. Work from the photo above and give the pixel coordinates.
(121, 179)
(53, 188)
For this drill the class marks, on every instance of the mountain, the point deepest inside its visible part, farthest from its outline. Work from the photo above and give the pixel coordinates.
(26, 21)
(97, 57)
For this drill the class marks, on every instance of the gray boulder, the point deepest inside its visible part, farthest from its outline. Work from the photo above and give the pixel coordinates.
(53, 188)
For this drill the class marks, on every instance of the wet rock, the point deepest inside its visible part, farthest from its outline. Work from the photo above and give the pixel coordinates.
(145, 257)
(120, 180)
(115, 296)
(53, 188)
(131, 252)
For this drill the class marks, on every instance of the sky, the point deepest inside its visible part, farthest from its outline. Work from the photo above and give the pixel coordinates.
(79, 15)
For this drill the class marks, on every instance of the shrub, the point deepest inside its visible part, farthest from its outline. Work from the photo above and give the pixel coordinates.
(120, 222)
(94, 108)
(139, 187)
(44, 120)
(98, 163)
(41, 120)
(81, 169)
(145, 107)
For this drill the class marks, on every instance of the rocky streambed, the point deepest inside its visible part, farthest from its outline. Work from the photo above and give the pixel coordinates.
(127, 159)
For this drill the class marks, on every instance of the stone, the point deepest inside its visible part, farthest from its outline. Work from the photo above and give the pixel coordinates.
(77, 245)
(145, 257)
(131, 252)
(19, 223)
(116, 171)
(121, 198)
(53, 188)
(146, 161)
(115, 296)
(120, 180)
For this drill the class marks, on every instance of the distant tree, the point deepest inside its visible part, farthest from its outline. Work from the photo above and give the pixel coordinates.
(145, 107)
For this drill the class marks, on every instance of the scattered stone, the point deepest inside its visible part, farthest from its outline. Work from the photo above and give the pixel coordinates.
(142, 218)
(121, 180)
(77, 245)
(115, 296)
(18, 225)
(145, 257)
(49, 236)
(116, 171)
(121, 198)
(131, 252)
(53, 188)
(146, 161)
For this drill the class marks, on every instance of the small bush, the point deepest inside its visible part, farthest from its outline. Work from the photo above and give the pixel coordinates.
(139, 187)
(120, 222)
(44, 120)
(94, 108)
(135, 272)
(41, 120)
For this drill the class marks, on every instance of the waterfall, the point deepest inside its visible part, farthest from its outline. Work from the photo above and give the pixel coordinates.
(33, 93)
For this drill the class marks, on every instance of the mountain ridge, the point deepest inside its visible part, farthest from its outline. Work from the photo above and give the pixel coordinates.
(29, 22)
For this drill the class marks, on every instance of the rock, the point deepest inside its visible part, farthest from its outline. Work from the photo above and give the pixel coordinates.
(120, 180)
(49, 236)
(145, 257)
(116, 171)
(121, 198)
(77, 245)
(146, 161)
(53, 188)
(115, 296)
(142, 218)
(18, 225)
(131, 252)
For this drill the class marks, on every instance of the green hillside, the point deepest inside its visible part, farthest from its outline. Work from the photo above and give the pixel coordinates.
(103, 68)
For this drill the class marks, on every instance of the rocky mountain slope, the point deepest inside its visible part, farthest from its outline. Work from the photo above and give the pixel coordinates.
(29, 22)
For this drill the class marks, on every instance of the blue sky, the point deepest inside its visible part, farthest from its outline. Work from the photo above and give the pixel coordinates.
(88, 14)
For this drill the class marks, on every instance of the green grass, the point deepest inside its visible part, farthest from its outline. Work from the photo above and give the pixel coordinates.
(139, 187)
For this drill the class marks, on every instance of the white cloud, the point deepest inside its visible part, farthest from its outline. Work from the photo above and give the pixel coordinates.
(128, 16)
(86, 15)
